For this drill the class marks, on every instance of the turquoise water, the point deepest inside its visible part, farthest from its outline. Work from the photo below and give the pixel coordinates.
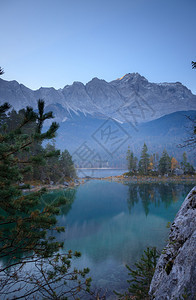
(111, 224)
(97, 173)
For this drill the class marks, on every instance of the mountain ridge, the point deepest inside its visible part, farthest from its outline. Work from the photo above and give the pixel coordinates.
(131, 98)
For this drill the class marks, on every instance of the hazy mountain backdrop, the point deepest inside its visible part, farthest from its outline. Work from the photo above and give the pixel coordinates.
(100, 119)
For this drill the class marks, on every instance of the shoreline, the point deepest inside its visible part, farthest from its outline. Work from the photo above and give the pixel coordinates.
(148, 179)
(119, 179)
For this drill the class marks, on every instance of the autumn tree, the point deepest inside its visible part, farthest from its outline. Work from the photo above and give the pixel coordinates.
(152, 162)
(174, 164)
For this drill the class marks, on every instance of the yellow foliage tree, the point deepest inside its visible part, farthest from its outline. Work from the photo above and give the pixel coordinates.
(174, 163)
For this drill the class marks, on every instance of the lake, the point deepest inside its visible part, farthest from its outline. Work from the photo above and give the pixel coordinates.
(112, 223)
(98, 173)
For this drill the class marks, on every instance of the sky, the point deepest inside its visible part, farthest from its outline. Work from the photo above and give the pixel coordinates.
(48, 43)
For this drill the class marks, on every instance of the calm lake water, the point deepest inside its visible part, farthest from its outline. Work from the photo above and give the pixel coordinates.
(98, 173)
(112, 223)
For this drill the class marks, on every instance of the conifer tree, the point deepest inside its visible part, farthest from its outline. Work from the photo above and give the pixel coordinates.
(141, 276)
(144, 162)
(25, 221)
(18, 211)
(187, 167)
(165, 163)
(132, 162)
(66, 164)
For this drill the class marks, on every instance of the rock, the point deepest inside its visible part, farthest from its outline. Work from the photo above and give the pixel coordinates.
(51, 182)
(175, 273)
(65, 183)
(178, 172)
(108, 98)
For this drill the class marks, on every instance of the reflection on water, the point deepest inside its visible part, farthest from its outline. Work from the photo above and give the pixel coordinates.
(54, 195)
(111, 224)
(156, 193)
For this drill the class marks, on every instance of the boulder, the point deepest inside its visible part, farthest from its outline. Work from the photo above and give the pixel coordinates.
(175, 273)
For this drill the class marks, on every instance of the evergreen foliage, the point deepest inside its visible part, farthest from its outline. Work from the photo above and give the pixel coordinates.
(165, 163)
(141, 276)
(153, 166)
(25, 222)
(187, 167)
(144, 163)
(53, 165)
(132, 162)
(59, 166)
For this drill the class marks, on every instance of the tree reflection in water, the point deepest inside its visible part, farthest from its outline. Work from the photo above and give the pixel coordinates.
(155, 193)
(69, 194)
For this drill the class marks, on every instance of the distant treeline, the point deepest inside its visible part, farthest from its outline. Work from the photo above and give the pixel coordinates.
(155, 164)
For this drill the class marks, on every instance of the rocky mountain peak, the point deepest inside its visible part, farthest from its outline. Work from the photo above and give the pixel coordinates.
(131, 76)
(115, 99)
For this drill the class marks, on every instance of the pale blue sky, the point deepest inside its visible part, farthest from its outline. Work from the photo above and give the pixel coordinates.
(53, 43)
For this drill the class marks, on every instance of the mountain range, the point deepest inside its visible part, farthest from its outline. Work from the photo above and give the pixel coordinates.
(131, 98)
(103, 118)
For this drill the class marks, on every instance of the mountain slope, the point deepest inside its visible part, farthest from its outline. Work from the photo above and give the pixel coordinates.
(131, 98)
(109, 139)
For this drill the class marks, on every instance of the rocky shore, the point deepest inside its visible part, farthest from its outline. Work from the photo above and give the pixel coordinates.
(175, 273)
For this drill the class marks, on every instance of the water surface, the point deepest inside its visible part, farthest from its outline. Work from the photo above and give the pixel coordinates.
(98, 173)
(111, 224)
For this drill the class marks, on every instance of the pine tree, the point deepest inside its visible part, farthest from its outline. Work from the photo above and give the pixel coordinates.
(187, 167)
(24, 219)
(67, 165)
(132, 162)
(141, 276)
(23, 227)
(184, 161)
(144, 163)
(165, 163)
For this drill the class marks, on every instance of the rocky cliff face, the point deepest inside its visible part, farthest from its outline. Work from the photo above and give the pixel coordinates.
(175, 274)
(130, 98)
